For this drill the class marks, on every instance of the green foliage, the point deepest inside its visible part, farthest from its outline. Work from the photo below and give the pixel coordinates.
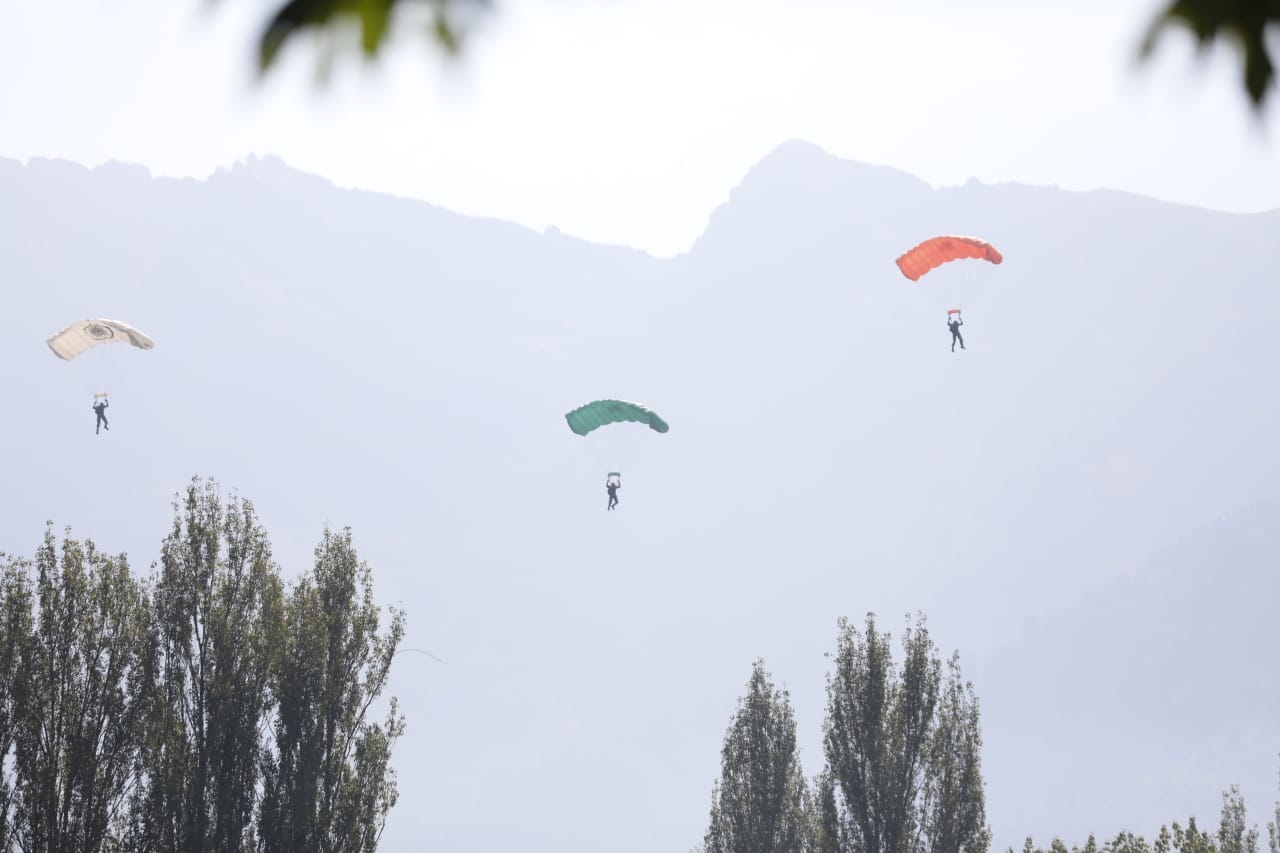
(1126, 842)
(1273, 831)
(1233, 836)
(373, 18)
(137, 715)
(218, 605)
(828, 834)
(1058, 846)
(760, 804)
(955, 815)
(327, 783)
(1189, 840)
(16, 633)
(902, 748)
(1242, 22)
(80, 695)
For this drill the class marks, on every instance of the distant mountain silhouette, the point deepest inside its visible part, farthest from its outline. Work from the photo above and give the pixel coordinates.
(1140, 704)
(1049, 497)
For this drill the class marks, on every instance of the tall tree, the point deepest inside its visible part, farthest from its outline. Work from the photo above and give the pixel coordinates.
(218, 623)
(902, 748)
(1192, 839)
(78, 732)
(137, 722)
(955, 812)
(1126, 842)
(1233, 835)
(1273, 831)
(328, 784)
(16, 630)
(760, 804)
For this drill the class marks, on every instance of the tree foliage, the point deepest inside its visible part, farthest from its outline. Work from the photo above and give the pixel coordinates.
(373, 19)
(760, 804)
(1192, 839)
(16, 634)
(1234, 836)
(219, 608)
(1273, 831)
(1244, 23)
(328, 785)
(79, 696)
(902, 748)
(202, 709)
(828, 834)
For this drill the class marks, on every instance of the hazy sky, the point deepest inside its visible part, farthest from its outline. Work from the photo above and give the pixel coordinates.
(628, 121)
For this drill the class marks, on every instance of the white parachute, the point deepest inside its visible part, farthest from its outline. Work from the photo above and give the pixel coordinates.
(87, 334)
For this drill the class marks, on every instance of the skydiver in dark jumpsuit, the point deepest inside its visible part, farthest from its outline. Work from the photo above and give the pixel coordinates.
(613, 492)
(101, 410)
(954, 326)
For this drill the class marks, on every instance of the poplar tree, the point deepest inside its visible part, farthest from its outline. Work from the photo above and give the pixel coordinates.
(760, 804)
(327, 782)
(902, 747)
(80, 695)
(218, 624)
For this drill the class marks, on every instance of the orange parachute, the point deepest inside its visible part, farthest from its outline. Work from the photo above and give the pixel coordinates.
(940, 250)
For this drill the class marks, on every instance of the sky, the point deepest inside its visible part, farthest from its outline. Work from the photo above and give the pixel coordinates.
(629, 121)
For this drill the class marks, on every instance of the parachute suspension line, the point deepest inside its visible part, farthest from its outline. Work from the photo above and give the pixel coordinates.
(426, 652)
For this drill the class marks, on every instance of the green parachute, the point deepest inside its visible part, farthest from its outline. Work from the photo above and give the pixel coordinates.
(584, 419)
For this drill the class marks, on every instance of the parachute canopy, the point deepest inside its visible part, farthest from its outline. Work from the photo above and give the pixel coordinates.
(939, 250)
(87, 334)
(584, 419)
(951, 311)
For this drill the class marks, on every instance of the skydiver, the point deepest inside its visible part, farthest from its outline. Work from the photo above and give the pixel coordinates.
(101, 410)
(954, 326)
(613, 491)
